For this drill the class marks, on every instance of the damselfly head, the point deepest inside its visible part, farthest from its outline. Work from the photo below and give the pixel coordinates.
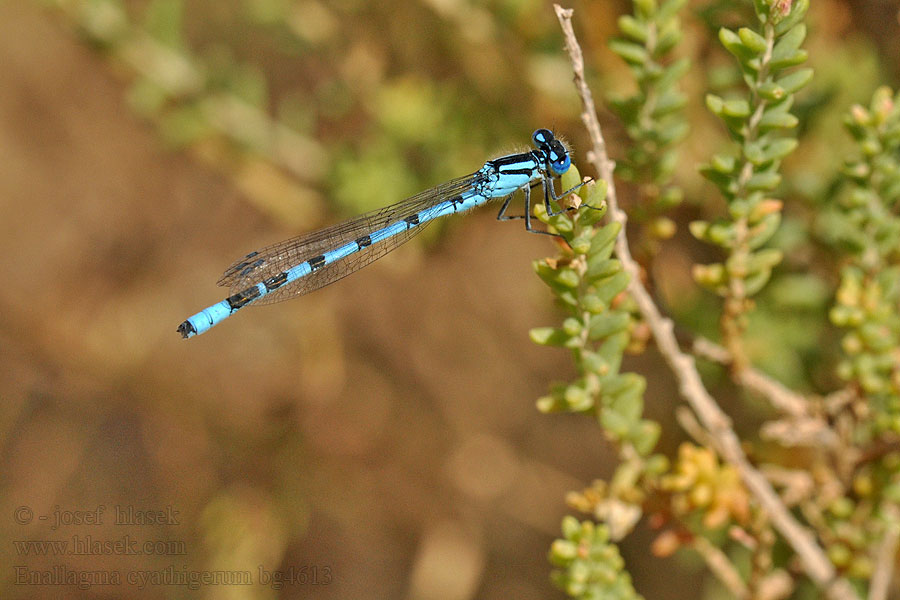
(559, 158)
(555, 154)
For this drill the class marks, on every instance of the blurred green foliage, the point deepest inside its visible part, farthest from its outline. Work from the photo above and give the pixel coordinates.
(313, 106)
(653, 117)
(864, 222)
(353, 103)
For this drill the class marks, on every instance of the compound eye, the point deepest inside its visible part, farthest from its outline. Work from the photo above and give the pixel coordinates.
(559, 158)
(542, 137)
(561, 166)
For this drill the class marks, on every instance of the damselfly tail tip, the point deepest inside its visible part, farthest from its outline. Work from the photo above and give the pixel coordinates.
(187, 330)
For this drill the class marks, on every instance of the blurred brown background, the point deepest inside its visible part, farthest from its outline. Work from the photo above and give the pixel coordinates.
(380, 433)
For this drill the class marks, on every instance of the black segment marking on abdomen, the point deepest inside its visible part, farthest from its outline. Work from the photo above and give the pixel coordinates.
(243, 298)
(363, 242)
(412, 220)
(275, 282)
(316, 262)
(187, 329)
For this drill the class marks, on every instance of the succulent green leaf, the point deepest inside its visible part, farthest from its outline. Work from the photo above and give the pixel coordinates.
(793, 59)
(630, 52)
(771, 91)
(752, 40)
(765, 181)
(591, 362)
(578, 399)
(672, 132)
(627, 406)
(699, 229)
(779, 148)
(763, 231)
(765, 259)
(634, 29)
(567, 277)
(713, 276)
(612, 348)
(581, 243)
(563, 551)
(722, 180)
(738, 107)
(668, 9)
(571, 529)
(645, 436)
(570, 178)
(723, 163)
(645, 9)
(572, 326)
(669, 101)
(561, 223)
(795, 81)
(715, 104)
(591, 303)
(596, 197)
(754, 153)
(788, 44)
(548, 336)
(614, 423)
(601, 267)
(604, 241)
(606, 324)
(669, 36)
(548, 275)
(674, 72)
(777, 120)
(610, 287)
(735, 46)
(756, 281)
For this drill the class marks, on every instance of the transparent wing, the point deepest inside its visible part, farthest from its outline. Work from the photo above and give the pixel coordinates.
(277, 258)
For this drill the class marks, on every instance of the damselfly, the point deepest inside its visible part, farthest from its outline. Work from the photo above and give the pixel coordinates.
(309, 262)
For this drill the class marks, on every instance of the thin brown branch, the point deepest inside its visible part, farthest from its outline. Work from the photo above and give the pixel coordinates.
(721, 567)
(815, 563)
(886, 558)
(797, 485)
(801, 426)
(689, 424)
(781, 397)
